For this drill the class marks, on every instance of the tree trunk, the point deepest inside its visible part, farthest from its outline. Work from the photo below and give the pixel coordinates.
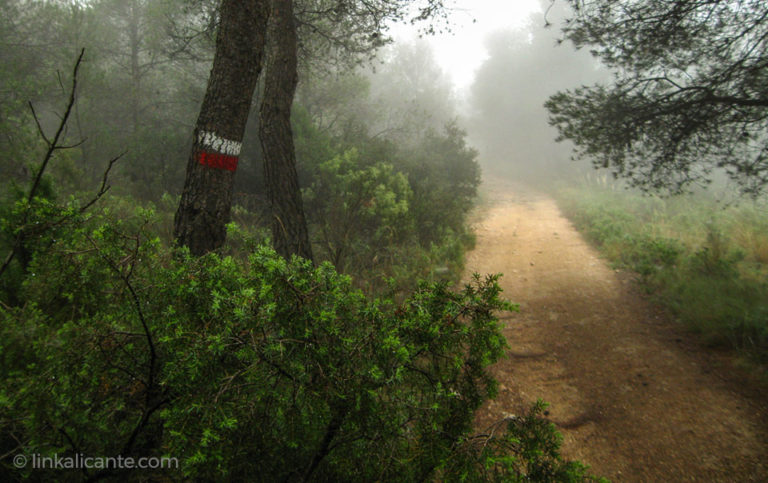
(135, 44)
(289, 227)
(204, 210)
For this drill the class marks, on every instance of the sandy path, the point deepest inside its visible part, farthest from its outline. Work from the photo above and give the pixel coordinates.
(632, 397)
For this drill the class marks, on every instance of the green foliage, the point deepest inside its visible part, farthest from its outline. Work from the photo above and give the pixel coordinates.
(528, 450)
(445, 176)
(126, 103)
(612, 227)
(702, 261)
(27, 226)
(360, 210)
(306, 370)
(240, 364)
(145, 112)
(238, 368)
(687, 102)
(380, 208)
(253, 367)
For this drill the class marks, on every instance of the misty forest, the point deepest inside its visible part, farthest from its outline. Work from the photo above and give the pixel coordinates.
(383, 240)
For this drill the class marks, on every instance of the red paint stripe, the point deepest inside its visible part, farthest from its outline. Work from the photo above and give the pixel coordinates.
(218, 161)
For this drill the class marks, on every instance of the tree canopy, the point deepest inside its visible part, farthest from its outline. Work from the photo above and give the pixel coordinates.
(689, 97)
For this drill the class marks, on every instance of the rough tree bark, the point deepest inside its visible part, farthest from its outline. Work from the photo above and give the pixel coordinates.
(289, 227)
(204, 210)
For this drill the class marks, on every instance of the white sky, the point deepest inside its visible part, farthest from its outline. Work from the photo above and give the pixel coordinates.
(461, 52)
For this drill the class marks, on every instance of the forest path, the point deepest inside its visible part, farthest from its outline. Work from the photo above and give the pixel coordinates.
(633, 399)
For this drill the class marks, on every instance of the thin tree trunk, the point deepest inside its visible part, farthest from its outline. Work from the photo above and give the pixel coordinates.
(204, 210)
(289, 227)
(135, 41)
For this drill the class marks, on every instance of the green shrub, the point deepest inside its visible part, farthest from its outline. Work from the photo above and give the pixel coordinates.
(258, 368)
(528, 450)
(358, 210)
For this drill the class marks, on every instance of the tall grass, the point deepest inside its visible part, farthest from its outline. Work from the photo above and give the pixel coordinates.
(706, 262)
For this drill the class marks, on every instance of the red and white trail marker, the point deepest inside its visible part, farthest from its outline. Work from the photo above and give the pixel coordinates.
(217, 152)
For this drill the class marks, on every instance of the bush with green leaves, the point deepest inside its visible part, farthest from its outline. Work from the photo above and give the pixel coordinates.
(445, 176)
(256, 368)
(378, 211)
(527, 448)
(358, 211)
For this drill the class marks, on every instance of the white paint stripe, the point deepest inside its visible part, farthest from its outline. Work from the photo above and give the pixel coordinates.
(220, 145)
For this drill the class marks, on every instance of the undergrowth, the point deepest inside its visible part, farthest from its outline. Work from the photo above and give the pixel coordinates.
(241, 365)
(705, 262)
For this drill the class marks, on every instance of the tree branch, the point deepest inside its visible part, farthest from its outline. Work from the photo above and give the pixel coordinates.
(53, 144)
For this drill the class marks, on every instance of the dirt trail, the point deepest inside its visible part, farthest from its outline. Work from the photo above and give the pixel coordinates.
(632, 397)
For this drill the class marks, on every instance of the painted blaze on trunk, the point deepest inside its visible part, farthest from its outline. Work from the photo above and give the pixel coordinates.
(204, 210)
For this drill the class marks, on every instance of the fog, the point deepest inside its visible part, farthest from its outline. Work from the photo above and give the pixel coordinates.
(506, 118)
(500, 89)
(317, 286)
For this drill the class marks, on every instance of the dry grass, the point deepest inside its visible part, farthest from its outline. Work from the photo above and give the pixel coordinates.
(706, 262)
